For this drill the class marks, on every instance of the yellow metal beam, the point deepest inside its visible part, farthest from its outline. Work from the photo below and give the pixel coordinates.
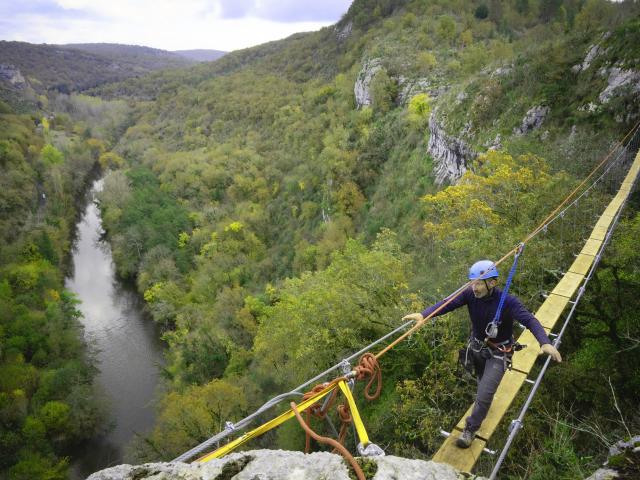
(581, 264)
(599, 232)
(551, 309)
(463, 460)
(614, 206)
(568, 284)
(604, 222)
(591, 247)
(355, 414)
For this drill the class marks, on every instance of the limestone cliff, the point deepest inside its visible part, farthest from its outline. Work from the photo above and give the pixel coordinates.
(451, 154)
(361, 87)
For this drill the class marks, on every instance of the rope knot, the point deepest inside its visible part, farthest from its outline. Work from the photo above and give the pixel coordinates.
(316, 409)
(368, 367)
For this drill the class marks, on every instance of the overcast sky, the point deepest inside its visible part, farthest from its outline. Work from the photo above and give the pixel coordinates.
(167, 24)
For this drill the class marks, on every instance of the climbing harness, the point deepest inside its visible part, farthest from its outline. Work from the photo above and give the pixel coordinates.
(477, 352)
(492, 327)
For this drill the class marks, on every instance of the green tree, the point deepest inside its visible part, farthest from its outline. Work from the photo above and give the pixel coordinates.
(191, 417)
(481, 12)
(419, 109)
(51, 155)
(383, 91)
(446, 28)
(55, 416)
(426, 61)
(322, 316)
(595, 14)
(36, 465)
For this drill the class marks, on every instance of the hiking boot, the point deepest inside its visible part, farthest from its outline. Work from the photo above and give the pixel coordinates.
(465, 438)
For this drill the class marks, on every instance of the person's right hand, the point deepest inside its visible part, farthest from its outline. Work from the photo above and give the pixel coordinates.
(414, 316)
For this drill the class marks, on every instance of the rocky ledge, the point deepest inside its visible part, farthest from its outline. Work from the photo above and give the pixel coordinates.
(283, 465)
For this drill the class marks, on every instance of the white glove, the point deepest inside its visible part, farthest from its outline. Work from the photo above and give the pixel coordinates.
(414, 316)
(551, 351)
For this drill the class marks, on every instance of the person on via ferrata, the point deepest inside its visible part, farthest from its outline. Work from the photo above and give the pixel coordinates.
(491, 344)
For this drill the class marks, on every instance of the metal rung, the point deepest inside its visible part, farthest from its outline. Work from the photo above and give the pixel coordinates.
(553, 334)
(487, 450)
(528, 380)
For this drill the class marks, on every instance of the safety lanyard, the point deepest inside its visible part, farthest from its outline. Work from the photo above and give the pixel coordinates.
(492, 327)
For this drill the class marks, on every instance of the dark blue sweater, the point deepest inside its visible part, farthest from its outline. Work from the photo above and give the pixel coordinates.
(482, 311)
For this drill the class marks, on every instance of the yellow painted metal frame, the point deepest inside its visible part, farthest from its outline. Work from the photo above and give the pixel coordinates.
(548, 314)
(355, 414)
(279, 420)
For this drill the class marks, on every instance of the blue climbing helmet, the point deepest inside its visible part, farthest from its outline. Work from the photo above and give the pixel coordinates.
(483, 270)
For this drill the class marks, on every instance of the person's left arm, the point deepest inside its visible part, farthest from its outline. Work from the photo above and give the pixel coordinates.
(528, 320)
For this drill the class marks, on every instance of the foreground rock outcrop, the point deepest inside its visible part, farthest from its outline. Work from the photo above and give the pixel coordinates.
(282, 465)
(623, 461)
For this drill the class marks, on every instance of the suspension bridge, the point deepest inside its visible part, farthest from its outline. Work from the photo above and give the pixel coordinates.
(555, 312)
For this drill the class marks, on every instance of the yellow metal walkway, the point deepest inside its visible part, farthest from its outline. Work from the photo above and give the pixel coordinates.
(548, 314)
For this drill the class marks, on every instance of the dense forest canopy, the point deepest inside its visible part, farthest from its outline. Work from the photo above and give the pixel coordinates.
(47, 400)
(259, 202)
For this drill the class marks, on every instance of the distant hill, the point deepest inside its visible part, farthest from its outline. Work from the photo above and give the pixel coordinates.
(201, 55)
(151, 58)
(77, 67)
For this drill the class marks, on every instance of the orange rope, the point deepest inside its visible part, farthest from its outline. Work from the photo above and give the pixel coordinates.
(419, 324)
(368, 367)
(316, 409)
(328, 441)
(344, 413)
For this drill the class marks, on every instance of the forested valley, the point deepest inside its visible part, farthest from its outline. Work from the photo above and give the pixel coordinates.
(276, 220)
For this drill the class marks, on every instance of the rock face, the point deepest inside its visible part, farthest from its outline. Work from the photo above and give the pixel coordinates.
(501, 72)
(344, 32)
(623, 461)
(619, 78)
(450, 154)
(280, 465)
(594, 51)
(12, 75)
(532, 120)
(363, 82)
(408, 88)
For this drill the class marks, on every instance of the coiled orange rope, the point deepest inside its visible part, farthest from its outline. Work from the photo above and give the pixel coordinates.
(329, 441)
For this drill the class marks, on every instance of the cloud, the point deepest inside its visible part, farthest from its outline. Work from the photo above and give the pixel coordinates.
(167, 24)
(49, 8)
(285, 10)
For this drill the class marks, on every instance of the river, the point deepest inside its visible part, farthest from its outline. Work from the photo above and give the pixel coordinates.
(126, 342)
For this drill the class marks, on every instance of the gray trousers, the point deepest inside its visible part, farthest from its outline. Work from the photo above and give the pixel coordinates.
(489, 374)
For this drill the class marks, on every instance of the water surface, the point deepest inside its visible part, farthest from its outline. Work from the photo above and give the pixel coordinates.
(129, 352)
